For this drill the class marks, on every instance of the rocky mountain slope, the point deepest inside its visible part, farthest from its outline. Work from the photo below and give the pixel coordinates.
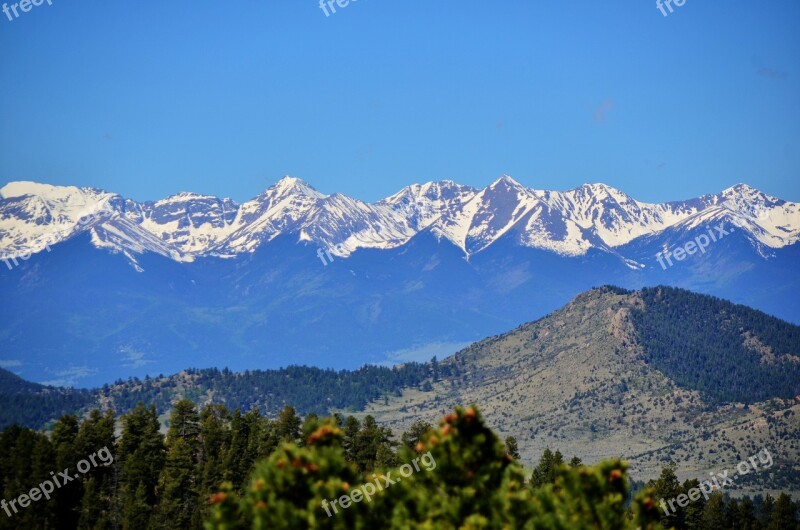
(587, 381)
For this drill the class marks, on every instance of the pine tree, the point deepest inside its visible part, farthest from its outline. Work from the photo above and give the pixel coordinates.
(731, 513)
(512, 448)
(665, 489)
(765, 511)
(693, 513)
(783, 517)
(215, 439)
(27, 459)
(137, 509)
(371, 440)
(96, 435)
(714, 517)
(141, 455)
(184, 423)
(68, 497)
(351, 429)
(545, 471)
(309, 424)
(288, 425)
(180, 478)
(43, 462)
(746, 518)
(386, 458)
(246, 438)
(415, 432)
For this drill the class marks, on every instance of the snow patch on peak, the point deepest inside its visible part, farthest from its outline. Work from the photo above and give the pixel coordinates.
(66, 195)
(744, 194)
(739, 189)
(34, 216)
(22, 188)
(423, 204)
(601, 192)
(288, 185)
(487, 216)
(506, 180)
(187, 196)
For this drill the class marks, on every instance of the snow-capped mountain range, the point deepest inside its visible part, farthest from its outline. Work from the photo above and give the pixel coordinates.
(188, 226)
(114, 288)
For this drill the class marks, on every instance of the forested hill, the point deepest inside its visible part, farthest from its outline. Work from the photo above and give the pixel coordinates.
(728, 352)
(656, 375)
(309, 390)
(32, 405)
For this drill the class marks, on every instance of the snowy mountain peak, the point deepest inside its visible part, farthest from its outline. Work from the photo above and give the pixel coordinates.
(739, 188)
(188, 225)
(507, 182)
(21, 188)
(186, 196)
(601, 192)
(441, 190)
(423, 204)
(293, 185)
(744, 192)
(47, 192)
(487, 216)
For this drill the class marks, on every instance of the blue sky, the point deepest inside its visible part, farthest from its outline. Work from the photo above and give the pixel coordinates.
(225, 97)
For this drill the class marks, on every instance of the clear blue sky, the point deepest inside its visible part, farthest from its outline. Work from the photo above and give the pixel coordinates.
(151, 98)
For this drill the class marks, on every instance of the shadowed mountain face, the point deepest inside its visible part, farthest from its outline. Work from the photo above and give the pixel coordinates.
(81, 316)
(648, 375)
(86, 317)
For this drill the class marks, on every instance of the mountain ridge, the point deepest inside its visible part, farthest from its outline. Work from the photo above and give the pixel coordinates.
(191, 226)
(583, 379)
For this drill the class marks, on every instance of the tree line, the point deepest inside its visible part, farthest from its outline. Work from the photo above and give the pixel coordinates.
(218, 469)
(308, 389)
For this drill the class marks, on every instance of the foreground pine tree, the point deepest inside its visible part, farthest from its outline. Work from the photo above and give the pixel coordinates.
(141, 455)
(180, 477)
(467, 481)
